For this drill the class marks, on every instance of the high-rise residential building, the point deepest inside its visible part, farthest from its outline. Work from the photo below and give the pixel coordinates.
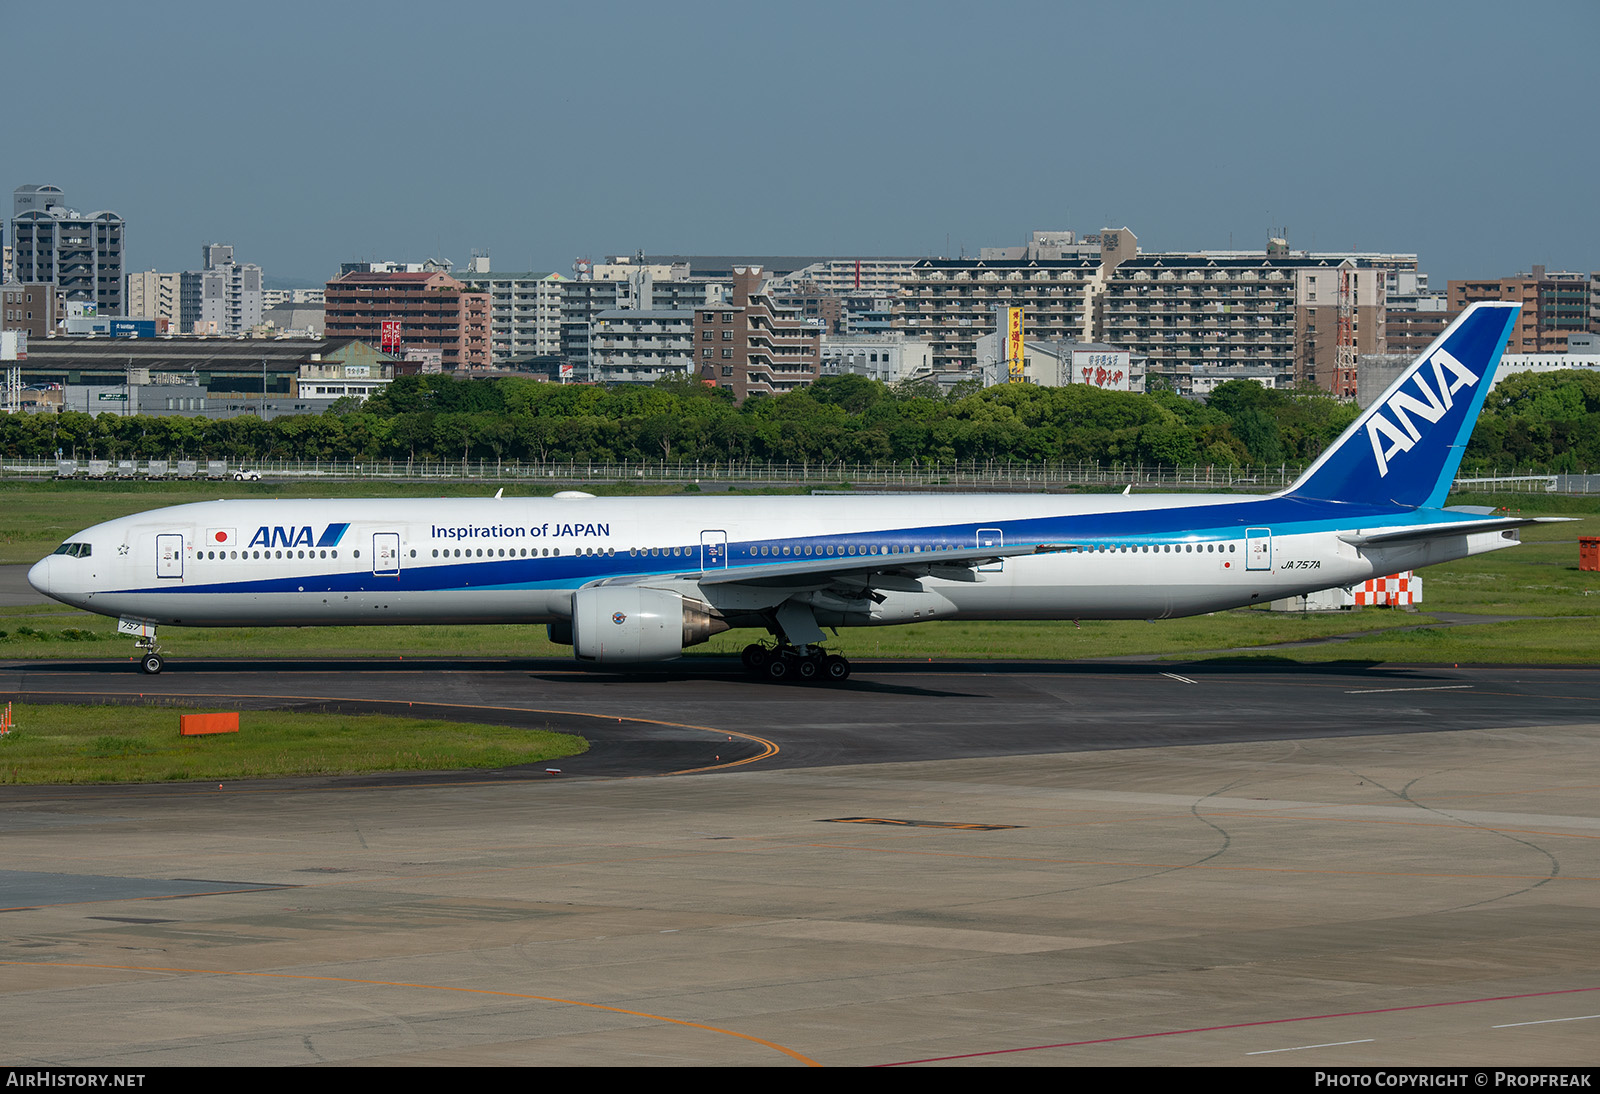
(849, 276)
(1554, 306)
(630, 345)
(1416, 315)
(1262, 312)
(426, 313)
(1320, 306)
(812, 301)
(524, 311)
(224, 297)
(1268, 312)
(80, 253)
(583, 302)
(154, 295)
(950, 302)
(750, 345)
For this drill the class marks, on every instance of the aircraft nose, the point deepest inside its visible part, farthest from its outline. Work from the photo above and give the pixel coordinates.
(39, 576)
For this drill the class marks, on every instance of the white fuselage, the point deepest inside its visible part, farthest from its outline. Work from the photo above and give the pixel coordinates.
(515, 560)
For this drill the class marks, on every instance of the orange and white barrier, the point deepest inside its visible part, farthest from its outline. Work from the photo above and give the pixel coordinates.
(1395, 591)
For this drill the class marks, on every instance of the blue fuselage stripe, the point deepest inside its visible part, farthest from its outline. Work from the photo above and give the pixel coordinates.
(1146, 527)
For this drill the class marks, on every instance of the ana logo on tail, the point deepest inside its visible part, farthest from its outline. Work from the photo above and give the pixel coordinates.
(1402, 404)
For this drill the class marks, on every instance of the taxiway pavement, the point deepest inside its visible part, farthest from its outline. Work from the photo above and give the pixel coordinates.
(1239, 863)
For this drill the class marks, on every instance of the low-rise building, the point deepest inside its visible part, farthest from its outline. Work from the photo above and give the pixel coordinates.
(343, 370)
(1063, 362)
(886, 357)
(37, 307)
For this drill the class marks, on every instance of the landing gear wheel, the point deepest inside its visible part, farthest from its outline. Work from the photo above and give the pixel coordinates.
(808, 669)
(755, 657)
(778, 669)
(151, 664)
(835, 669)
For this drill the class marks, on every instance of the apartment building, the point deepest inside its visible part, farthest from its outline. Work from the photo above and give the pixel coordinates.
(848, 276)
(223, 297)
(950, 303)
(524, 310)
(1318, 305)
(154, 295)
(432, 313)
(750, 345)
(1272, 312)
(80, 253)
(631, 346)
(1555, 305)
(584, 302)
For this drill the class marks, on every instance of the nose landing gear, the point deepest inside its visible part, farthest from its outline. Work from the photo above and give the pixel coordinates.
(150, 660)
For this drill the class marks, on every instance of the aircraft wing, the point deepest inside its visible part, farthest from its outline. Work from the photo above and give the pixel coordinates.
(1449, 528)
(957, 565)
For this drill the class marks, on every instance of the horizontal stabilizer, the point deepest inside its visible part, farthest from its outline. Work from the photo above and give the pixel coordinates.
(1450, 528)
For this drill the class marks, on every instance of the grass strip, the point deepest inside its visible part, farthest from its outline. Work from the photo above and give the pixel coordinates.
(53, 744)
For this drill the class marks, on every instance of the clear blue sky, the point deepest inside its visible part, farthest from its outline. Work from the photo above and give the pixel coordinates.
(313, 133)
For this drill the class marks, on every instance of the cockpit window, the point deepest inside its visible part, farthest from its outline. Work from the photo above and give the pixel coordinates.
(76, 550)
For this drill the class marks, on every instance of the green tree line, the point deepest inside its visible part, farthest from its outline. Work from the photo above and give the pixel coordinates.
(1551, 420)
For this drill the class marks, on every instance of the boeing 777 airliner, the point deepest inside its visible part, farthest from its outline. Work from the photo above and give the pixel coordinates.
(633, 580)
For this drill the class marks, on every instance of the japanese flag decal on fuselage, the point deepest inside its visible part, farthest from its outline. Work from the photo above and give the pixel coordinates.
(1405, 448)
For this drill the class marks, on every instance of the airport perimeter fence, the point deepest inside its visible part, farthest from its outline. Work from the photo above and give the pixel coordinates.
(961, 476)
(967, 475)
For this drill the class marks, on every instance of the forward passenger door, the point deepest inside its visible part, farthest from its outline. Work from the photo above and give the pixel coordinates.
(169, 555)
(386, 554)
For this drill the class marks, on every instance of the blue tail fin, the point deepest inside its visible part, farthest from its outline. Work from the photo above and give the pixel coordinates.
(1406, 446)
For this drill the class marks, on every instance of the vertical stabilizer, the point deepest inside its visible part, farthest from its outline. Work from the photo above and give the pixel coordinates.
(1405, 448)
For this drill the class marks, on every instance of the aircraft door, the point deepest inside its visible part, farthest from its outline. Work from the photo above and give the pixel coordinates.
(713, 550)
(991, 537)
(386, 553)
(169, 555)
(1258, 548)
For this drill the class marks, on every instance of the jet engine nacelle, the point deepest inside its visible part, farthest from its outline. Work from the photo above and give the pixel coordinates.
(626, 624)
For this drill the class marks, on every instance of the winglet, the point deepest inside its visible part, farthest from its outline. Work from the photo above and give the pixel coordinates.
(1405, 448)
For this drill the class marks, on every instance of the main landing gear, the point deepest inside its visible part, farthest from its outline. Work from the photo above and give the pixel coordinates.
(805, 664)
